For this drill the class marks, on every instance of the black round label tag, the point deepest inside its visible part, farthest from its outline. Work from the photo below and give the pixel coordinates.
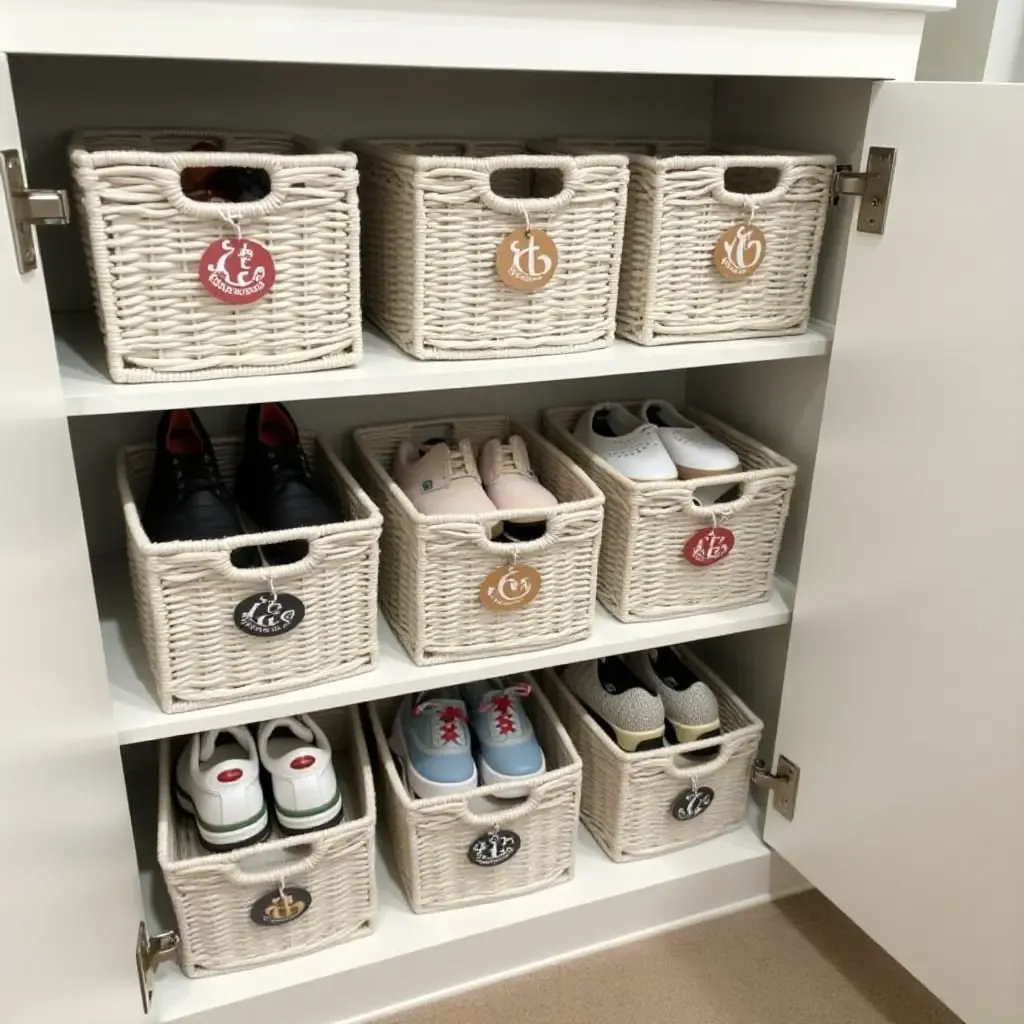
(269, 614)
(494, 848)
(692, 803)
(282, 906)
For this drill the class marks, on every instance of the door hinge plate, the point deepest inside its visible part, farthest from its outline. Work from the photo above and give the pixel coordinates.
(783, 782)
(872, 185)
(150, 952)
(28, 206)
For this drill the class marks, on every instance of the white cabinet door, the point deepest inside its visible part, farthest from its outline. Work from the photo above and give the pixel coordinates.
(903, 703)
(67, 859)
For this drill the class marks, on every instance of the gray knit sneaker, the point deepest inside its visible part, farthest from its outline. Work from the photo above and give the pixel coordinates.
(632, 715)
(690, 705)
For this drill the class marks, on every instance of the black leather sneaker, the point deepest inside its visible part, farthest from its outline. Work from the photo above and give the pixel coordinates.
(187, 498)
(274, 486)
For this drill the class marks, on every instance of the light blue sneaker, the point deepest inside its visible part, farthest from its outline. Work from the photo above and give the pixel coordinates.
(506, 745)
(430, 737)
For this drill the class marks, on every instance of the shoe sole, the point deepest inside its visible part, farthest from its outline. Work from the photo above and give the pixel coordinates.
(694, 733)
(490, 777)
(631, 742)
(692, 473)
(297, 825)
(225, 842)
(691, 733)
(420, 785)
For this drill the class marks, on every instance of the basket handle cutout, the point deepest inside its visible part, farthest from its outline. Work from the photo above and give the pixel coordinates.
(294, 862)
(520, 807)
(521, 207)
(735, 180)
(232, 564)
(219, 174)
(680, 768)
(549, 525)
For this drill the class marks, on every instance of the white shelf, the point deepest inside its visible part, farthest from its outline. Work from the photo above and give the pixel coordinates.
(819, 38)
(138, 717)
(387, 370)
(411, 958)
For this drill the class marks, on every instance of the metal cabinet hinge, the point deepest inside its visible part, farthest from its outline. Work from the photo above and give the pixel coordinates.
(28, 206)
(872, 185)
(150, 952)
(783, 782)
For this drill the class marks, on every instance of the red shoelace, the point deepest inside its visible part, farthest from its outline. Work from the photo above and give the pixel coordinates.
(448, 716)
(502, 702)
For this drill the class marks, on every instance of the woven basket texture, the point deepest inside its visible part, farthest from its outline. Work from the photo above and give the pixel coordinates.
(628, 798)
(432, 566)
(186, 593)
(682, 196)
(434, 221)
(144, 238)
(212, 894)
(431, 838)
(643, 574)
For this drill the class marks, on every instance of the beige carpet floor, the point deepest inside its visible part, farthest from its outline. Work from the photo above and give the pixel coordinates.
(799, 961)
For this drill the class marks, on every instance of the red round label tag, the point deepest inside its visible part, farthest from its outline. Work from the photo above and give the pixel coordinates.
(708, 546)
(237, 270)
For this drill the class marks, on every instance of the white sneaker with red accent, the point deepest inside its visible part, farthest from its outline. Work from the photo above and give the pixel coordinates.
(217, 781)
(506, 745)
(297, 754)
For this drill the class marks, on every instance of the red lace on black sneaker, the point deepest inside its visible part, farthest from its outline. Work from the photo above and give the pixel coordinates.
(502, 703)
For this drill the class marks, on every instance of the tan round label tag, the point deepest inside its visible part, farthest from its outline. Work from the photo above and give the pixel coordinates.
(739, 251)
(510, 587)
(527, 260)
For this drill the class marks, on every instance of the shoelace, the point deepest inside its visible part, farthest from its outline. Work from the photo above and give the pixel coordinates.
(290, 465)
(458, 464)
(449, 716)
(502, 703)
(195, 473)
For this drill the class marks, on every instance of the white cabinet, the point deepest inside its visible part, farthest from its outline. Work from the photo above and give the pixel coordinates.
(900, 699)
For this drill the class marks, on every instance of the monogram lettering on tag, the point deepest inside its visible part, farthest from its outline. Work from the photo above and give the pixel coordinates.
(282, 906)
(237, 270)
(510, 587)
(708, 546)
(740, 251)
(269, 614)
(692, 803)
(527, 260)
(494, 848)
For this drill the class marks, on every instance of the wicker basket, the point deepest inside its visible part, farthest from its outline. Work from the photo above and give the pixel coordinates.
(213, 894)
(433, 226)
(643, 573)
(432, 839)
(638, 805)
(144, 238)
(432, 567)
(186, 593)
(682, 196)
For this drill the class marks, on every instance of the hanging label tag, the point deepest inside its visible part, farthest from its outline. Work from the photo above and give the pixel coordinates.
(237, 270)
(692, 803)
(282, 906)
(708, 546)
(527, 260)
(269, 615)
(510, 587)
(494, 848)
(739, 251)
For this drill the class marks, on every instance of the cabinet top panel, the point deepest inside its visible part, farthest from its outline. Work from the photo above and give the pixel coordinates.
(815, 38)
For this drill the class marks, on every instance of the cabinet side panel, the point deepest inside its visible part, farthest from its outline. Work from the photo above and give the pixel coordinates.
(70, 930)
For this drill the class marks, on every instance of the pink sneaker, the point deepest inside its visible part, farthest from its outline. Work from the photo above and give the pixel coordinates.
(510, 483)
(440, 479)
